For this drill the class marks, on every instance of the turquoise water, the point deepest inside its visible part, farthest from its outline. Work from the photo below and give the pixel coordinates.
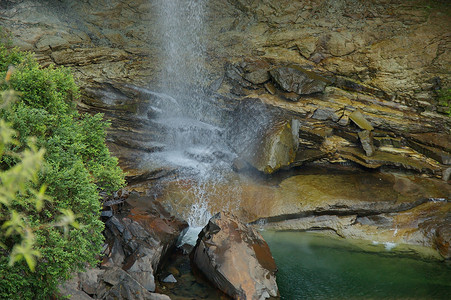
(317, 267)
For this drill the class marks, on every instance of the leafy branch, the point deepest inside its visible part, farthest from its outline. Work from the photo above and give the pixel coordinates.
(16, 188)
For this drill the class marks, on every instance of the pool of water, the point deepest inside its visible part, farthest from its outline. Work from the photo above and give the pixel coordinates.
(312, 266)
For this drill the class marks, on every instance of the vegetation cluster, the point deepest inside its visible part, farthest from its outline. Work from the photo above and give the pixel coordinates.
(53, 164)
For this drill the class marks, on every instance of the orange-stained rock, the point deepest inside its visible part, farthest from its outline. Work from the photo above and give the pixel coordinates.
(236, 259)
(139, 236)
(443, 240)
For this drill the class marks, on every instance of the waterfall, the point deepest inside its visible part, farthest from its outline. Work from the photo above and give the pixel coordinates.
(193, 135)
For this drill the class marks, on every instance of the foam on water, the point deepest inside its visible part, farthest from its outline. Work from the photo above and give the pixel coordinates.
(389, 246)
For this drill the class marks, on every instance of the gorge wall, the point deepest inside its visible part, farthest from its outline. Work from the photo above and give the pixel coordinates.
(385, 59)
(361, 80)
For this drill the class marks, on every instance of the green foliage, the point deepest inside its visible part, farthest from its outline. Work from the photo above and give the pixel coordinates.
(14, 183)
(444, 98)
(75, 167)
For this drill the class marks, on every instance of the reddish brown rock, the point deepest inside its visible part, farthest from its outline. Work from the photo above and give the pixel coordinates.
(443, 240)
(138, 236)
(236, 259)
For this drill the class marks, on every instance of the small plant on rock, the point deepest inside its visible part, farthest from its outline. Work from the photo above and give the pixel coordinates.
(444, 98)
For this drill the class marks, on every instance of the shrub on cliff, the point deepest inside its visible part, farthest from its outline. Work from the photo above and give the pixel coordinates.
(77, 165)
(444, 98)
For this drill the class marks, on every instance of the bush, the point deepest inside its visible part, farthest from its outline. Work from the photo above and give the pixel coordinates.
(77, 165)
(444, 98)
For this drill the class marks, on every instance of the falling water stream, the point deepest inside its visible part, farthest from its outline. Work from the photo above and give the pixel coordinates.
(193, 141)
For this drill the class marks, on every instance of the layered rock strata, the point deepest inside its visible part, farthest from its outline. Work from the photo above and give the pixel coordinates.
(383, 207)
(388, 60)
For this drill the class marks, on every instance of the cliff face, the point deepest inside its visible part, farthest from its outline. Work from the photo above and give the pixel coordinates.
(396, 47)
(384, 59)
(360, 78)
(399, 48)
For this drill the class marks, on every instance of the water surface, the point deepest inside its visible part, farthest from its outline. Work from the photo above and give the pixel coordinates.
(312, 266)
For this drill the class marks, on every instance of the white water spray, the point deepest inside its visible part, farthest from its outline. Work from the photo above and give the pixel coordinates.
(193, 141)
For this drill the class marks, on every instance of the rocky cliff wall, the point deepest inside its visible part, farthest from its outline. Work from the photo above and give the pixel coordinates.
(384, 59)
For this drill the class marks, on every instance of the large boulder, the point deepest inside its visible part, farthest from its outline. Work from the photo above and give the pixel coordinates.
(278, 147)
(262, 139)
(236, 259)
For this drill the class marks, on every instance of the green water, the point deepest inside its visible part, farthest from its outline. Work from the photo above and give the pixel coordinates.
(317, 267)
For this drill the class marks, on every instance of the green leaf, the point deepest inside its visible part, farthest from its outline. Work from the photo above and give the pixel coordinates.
(14, 225)
(41, 197)
(25, 250)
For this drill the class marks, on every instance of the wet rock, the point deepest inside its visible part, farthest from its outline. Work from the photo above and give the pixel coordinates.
(126, 288)
(261, 139)
(326, 222)
(366, 139)
(443, 238)
(423, 222)
(169, 279)
(140, 268)
(278, 147)
(236, 259)
(239, 165)
(298, 80)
